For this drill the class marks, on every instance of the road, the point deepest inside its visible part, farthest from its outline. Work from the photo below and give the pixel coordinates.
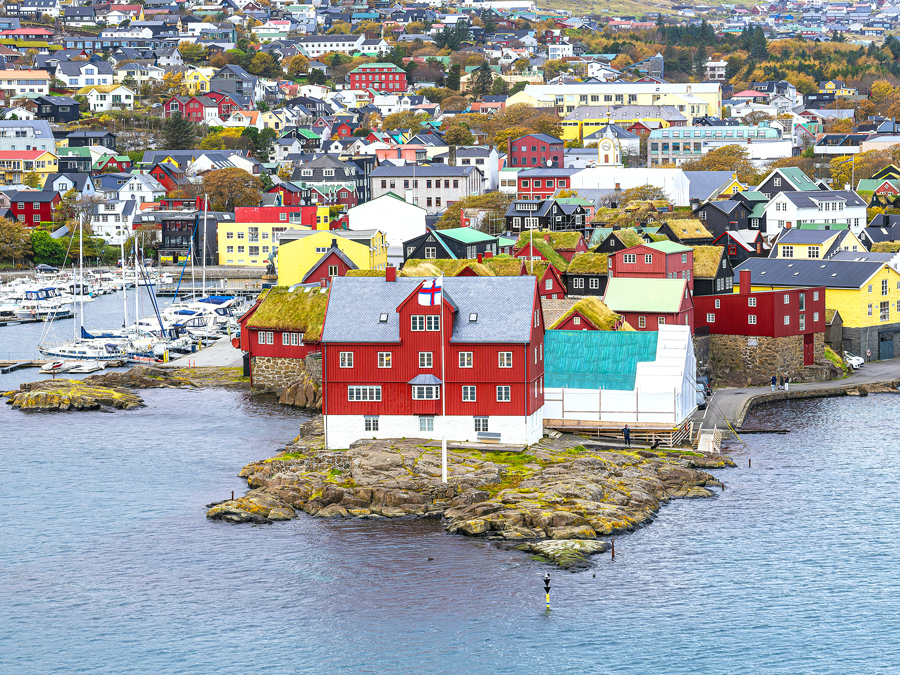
(731, 403)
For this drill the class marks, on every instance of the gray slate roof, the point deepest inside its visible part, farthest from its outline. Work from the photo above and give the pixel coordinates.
(805, 199)
(789, 272)
(702, 184)
(503, 305)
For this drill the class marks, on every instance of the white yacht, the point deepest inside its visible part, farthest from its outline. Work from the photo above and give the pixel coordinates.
(44, 303)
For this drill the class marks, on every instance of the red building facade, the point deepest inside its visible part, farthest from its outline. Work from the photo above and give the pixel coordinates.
(534, 151)
(382, 369)
(33, 207)
(382, 77)
(660, 260)
(542, 183)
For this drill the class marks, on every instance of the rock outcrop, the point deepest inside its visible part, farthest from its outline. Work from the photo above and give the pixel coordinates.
(556, 492)
(62, 394)
(139, 377)
(303, 392)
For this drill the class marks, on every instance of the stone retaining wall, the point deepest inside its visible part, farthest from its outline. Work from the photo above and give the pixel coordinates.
(273, 374)
(742, 360)
(858, 340)
(314, 367)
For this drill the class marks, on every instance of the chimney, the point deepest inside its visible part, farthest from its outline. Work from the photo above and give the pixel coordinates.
(390, 273)
(451, 157)
(334, 243)
(488, 255)
(547, 237)
(323, 282)
(479, 257)
(745, 282)
(508, 150)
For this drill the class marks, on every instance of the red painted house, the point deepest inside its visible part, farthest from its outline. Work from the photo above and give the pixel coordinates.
(543, 183)
(535, 151)
(291, 194)
(289, 215)
(278, 332)
(659, 260)
(333, 264)
(382, 368)
(343, 130)
(226, 103)
(195, 108)
(170, 176)
(330, 195)
(33, 207)
(771, 314)
(647, 304)
(550, 283)
(382, 77)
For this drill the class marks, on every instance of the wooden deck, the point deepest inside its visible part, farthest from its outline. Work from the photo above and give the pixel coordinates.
(644, 434)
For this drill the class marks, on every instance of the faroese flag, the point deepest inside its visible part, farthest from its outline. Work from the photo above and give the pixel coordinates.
(430, 293)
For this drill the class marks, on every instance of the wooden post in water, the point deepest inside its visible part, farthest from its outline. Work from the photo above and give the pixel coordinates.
(613, 542)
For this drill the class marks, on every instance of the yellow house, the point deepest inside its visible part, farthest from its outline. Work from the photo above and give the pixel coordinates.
(16, 164)
(865, 294)
(814, 244)
(300, 250)
(732, 187)
(197, 80)
(837, 88)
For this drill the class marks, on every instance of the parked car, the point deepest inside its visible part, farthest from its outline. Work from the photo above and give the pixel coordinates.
(701, 400)
(45, 269)
(853, 361)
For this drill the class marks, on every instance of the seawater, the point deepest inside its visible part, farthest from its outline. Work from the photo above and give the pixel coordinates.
(108, 564)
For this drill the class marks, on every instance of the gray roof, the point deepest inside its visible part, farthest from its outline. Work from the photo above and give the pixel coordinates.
(422, 171)
(503, 306)
(790, 272)
(702, 184)
(805, 199)
(625, 112)
(795, 236)
(77, 67)
(862, 256)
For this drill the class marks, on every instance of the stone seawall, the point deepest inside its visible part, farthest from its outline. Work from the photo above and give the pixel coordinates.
(743, 360)
(273, 374)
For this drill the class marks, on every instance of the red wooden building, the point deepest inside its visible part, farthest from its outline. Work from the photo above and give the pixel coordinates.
(771, 314)
(382, 77)
(647, 304)
(333, 263)
(660, 260)
(535, 151)
(382, 359)
(288, 215)
(542, 183)
(550, 283)
(33, 207)
(226, 103)
(291, 194)
(170, 176)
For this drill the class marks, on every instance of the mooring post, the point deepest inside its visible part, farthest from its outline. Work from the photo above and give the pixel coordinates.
(547, 589)
(232, 495)
(613, 542)
(749, 462)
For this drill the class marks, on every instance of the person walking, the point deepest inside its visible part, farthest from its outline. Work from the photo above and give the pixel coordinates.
(627, 433)
(781, 381)
(774, 382)
(787, 382)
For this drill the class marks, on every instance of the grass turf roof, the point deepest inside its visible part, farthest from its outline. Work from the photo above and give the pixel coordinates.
(365, 273)
(589, 263)
(628, 236)
(886, 247)
(504, 266)
(656, 236)
(299, 310)
(450, 268)
(688, 228)
(707, 260)
(593, 309)
(558, 240)
(546, 250)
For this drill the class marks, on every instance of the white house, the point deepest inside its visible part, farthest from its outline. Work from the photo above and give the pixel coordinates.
(316, 45)
(789, 209)
(129, 187)
(397, 218)
(108, 97)
(78, 74)
(560, 51)
(654, 384)
(112, 220)
(673, 181)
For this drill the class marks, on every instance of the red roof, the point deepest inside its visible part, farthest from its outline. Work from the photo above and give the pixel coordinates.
(124, 8)
(749, 93)
(27, 31)
(22, 154)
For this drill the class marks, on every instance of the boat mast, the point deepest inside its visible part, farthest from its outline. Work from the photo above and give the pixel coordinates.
(124, 293)
(81, 268)
(193, 251)
(137, 286)
(205, 211)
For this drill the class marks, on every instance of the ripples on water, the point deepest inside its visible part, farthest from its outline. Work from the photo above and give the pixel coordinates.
(107, 564)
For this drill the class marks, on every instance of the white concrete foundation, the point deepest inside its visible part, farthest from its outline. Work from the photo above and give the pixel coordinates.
(342, 430)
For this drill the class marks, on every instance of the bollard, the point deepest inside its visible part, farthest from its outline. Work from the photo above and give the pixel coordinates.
(547, 588)
(613, 542)
(723, 487)
(749, 462)
(232, 495)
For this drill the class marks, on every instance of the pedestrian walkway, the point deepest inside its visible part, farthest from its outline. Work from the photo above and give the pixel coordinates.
(733, 404)
(219, 355)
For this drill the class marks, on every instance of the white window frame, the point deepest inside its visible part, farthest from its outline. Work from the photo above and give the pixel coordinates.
(426, 360)
(504, 393)
(346, 359)
(465, 360)
(469, 393)
(384, 360)
(504, 359)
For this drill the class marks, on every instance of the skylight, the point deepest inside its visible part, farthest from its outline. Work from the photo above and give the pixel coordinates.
(473, 317)
(383, 317)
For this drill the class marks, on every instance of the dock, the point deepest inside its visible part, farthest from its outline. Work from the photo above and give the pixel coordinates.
(642, 433)
(249, 288)
(10, 366)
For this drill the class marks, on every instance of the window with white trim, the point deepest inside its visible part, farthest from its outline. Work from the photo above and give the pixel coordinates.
(503, 393)
(426, 424)
(465, 359)
(711, 318)
(629, 258)
(384, 359)
(642, 322)
(751, 302)
(426, 359)
(371, 422)
(346, 359)
(751, 319)
(504, 359)
(648, 259)
(364, 392)
(426, 392)
(481, 424)
(468, 393)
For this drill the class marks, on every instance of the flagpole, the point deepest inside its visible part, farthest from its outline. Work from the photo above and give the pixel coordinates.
(444, 387)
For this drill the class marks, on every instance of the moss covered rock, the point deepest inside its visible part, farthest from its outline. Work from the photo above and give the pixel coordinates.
(52, 395)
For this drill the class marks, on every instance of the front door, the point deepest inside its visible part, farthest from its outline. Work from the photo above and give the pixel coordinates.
(809, 352)
(886, 346)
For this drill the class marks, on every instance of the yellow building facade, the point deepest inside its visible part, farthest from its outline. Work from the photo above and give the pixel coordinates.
(197, 80)
(366, 248)
(818, 250)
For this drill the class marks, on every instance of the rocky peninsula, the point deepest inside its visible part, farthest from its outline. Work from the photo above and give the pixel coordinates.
(556, 499)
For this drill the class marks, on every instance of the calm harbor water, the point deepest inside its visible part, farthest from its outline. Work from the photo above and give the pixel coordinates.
(108, 565)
